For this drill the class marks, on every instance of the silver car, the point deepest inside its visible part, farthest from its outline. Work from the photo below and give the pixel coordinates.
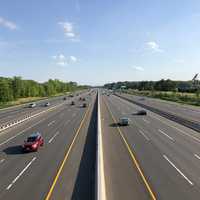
(123, 121)
(32, 105)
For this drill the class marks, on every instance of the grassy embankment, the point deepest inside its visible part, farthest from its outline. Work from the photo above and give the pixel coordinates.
(184, 98)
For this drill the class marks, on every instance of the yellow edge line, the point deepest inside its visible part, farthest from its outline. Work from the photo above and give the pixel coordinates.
(132, 156)
(66, 156)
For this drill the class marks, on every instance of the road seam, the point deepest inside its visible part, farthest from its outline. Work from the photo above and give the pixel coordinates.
(165, 134)
(49, 124)
(145, 136)
(178, 170)
(66, 156)
(21, 173)
(196, 139)
(153, 197)
(197, 156)
(53, 137)
(148, 122)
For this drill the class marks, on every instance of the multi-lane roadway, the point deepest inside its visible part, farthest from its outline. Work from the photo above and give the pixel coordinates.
(54, 172)
(152, 158)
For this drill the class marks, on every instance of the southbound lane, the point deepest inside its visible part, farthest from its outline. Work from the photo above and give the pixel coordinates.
(31, 175)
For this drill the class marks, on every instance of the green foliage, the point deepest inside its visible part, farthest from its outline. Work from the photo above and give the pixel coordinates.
(161, 85)
(15, 88)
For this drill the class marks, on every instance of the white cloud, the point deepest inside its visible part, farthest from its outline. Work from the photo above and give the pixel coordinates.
(154, 46)
(62, 60)
(138, 68)
(8, 24)
(61, 63)
(68, 29)
(73, 59)
(59, 57)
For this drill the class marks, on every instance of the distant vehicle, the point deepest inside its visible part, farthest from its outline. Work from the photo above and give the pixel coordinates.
(123, 121)
(71, 95)
(142, 99)
(33, 142)
(80, 99)
(142, 112)
(64, 98)
(72, 103)
(32, 105)
(47, 104)
(84, 105)
(83, 99)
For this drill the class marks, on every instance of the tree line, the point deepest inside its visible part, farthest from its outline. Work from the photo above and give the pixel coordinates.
(161, 85)
(15, 88)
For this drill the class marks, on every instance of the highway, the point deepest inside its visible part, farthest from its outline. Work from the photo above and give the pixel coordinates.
(12, 113)
(188, 111)
(167, 153)
(151, 159)
(32, 175)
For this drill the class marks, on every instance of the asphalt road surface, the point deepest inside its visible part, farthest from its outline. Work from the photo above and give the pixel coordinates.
(167, 153)
(13, 113)
(152, 158)
(185, 111)
(35, 175)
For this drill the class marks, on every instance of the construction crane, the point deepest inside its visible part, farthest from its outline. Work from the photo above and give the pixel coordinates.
(196, 82)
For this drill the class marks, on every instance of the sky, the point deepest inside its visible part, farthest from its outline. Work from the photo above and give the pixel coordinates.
(99, 41)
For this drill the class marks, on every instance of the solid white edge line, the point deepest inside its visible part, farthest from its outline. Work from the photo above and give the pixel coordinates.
(101, 188)
(166, 134)
(144, 135)
(178, 170)
(21, 173)
(53, 137)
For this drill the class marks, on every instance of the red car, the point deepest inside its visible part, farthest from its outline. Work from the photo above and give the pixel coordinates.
(33, 142)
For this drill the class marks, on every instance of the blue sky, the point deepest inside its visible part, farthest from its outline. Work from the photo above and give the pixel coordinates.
(99, 41)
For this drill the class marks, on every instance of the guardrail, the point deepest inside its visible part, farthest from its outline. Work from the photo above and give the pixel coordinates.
(183, 121)
(25, 118)
(100, 177)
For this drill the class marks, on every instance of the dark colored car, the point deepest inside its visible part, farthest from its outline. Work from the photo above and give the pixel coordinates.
(83, 99)
(84, 105)
(47, 104)
(72, 103)
(33, 142)
(142, 112)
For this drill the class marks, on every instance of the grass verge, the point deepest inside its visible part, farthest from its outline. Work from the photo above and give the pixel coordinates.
(183, 98)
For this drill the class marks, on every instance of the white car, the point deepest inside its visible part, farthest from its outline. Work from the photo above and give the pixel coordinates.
(32, 105)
